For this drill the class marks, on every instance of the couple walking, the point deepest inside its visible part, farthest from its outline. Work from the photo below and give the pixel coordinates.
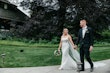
(70, 56)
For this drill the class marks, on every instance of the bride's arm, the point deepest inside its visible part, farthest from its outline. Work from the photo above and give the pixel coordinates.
(71, 41)
(60, 46)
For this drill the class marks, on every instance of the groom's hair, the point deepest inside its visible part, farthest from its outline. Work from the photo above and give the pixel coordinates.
(83, 20)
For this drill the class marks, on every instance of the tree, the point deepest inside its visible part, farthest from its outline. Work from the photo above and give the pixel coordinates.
(50, 17)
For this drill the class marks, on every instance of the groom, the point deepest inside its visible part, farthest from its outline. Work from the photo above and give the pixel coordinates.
(85, 39)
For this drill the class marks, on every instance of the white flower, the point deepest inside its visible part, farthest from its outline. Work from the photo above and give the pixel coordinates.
(57, 53)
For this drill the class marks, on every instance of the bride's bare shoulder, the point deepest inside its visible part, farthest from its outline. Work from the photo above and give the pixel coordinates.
(69, 35)
(61, 36)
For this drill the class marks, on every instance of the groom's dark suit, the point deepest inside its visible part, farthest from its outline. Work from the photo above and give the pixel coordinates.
(85, 43)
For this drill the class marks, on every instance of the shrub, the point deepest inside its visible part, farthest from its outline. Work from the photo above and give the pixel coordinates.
(106, 34)
(42, 41)
(55, 40)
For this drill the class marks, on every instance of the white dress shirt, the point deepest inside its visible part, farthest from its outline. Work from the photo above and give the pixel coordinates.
(84, 29)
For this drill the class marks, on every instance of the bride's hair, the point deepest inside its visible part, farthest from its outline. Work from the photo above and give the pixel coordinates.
(65, 29)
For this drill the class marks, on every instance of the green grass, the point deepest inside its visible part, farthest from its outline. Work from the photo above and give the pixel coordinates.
(38, 56)
(20, 43)
(31, 56)
(100, 53)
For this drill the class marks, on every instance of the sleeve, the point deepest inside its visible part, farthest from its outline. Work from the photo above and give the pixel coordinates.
(91, 37)
(77, 42)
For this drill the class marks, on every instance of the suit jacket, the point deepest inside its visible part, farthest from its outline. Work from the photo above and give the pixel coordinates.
(87, 41)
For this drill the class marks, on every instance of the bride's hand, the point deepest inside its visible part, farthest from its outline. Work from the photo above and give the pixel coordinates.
(75, 46)
(58, 50)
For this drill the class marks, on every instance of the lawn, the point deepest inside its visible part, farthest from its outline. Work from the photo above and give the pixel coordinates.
(40, 56)
(32, 56)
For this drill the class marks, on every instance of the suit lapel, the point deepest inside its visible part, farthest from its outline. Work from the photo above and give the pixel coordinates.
(81, 33)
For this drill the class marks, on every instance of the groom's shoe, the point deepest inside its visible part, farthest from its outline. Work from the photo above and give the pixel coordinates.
(92, 69)
(82, 70)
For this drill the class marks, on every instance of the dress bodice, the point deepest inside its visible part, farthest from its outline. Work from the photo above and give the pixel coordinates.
(65, 42)
(64, 39)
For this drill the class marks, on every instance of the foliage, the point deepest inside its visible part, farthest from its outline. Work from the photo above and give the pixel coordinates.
(55, 40)
(50, 17)
(106, 34)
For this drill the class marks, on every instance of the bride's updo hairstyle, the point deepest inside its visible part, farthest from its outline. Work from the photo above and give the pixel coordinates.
(65, 31)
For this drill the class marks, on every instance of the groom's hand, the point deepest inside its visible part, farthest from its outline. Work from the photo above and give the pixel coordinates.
(75, 47)
(90, 49)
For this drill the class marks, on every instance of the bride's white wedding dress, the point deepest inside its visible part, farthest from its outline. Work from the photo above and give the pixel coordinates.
(70, 56)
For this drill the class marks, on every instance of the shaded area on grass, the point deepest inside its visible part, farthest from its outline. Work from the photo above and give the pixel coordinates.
(49, 44)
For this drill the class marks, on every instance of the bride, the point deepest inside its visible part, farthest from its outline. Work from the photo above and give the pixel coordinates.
(70, 55)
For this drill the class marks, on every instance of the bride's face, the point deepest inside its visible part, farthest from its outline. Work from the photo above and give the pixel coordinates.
(65, 31)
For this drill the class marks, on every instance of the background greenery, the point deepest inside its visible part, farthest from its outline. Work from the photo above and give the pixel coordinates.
(47, 22)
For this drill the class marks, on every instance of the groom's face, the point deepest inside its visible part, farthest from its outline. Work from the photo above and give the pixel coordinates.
(82, 23)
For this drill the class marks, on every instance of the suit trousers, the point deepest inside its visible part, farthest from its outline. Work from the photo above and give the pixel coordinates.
(84, 51)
